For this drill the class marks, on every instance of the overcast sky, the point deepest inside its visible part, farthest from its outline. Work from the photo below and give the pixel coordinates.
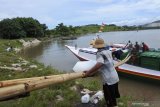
(82, 12)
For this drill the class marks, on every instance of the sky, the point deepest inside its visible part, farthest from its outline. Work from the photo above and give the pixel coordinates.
(83, 12)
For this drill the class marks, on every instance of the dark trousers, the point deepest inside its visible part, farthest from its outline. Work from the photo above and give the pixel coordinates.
(111, 92)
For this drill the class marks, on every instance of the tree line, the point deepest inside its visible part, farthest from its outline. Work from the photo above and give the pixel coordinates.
(63, 30)
(19, 27)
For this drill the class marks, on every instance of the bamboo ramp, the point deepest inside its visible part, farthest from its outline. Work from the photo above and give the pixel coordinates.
(16, 88)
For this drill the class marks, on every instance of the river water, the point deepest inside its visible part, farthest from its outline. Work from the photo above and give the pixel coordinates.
(54, 53)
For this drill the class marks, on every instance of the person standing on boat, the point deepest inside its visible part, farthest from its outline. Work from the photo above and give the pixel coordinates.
(105, 67)
(129, 45)
(144, 47)
(137, 47)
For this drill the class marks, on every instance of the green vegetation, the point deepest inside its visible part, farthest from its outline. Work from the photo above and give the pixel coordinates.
(63, 30)
(28, 27)
(21, 27)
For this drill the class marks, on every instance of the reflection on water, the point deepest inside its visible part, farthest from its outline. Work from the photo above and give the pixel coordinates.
(54, 53)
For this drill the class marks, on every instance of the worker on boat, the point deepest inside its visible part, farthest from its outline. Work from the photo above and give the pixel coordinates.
(144, 47)
(133, 59)
(105, 67)
(137, 47)
(129, 45)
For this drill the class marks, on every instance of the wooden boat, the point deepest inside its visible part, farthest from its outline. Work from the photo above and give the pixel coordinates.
(85, 54)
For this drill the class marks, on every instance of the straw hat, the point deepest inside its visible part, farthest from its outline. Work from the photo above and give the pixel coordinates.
(99, 43)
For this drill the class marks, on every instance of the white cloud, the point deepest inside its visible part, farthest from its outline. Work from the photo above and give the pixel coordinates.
(126, 7)
(80, 12)
(132, 21)
(128, 12)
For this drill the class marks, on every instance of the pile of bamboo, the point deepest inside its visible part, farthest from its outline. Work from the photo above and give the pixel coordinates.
(10, 89)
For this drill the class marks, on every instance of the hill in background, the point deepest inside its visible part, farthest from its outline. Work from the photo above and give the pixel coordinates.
(153, 24)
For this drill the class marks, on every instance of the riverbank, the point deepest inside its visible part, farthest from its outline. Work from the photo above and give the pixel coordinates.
(61, 95)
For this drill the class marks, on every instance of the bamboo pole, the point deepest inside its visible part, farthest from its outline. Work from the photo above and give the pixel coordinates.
(122, 62)
(9, 92)
(15, 90)
(60, 79)
(25, 80)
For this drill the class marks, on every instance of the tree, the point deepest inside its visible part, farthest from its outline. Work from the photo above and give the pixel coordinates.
(62, 30)
(45, 28)
(21, 27)
(11, 29)
(72, 30)
(31, 26)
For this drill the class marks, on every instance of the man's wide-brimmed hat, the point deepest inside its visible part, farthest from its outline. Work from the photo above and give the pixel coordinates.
(99, 43)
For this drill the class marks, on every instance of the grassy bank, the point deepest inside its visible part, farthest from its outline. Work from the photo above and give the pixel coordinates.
(61, 95)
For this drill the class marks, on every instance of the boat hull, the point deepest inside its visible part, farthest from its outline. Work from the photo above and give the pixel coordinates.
(138, 78)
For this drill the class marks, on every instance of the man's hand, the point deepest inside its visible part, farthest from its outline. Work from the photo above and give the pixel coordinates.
(85, 74)
(92, 70)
